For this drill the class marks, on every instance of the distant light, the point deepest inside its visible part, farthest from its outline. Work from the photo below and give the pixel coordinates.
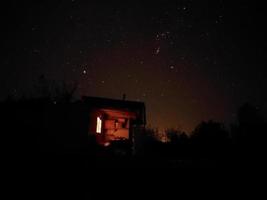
(84, 72)
(158, 50)
(172, 67)
(106, 144)
(98, 125)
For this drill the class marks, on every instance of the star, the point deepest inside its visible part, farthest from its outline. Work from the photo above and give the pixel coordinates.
(157, 51)
(161, 56)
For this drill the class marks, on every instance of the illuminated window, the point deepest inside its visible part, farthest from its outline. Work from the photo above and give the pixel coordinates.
(98, 125)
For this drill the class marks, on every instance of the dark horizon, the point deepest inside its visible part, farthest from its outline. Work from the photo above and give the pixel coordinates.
(188, 61)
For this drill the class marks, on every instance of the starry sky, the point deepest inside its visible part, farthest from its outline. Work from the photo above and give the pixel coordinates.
(187, 60)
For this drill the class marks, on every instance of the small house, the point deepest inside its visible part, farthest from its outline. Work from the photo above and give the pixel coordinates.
(114, 120)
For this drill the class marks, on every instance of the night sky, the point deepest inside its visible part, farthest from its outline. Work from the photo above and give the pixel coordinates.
(188, 61)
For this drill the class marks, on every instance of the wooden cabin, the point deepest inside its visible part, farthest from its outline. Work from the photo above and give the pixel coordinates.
(112, 120)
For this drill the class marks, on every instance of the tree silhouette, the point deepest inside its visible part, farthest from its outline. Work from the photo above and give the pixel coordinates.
(178, 142)
(147, 143)
(175, 135)
(211, 139)
(55, 91)
(250, 132)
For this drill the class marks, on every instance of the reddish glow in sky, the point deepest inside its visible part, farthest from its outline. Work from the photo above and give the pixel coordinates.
(187, 61)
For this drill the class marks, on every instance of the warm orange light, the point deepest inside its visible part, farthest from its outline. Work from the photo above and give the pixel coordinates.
(98, 125)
